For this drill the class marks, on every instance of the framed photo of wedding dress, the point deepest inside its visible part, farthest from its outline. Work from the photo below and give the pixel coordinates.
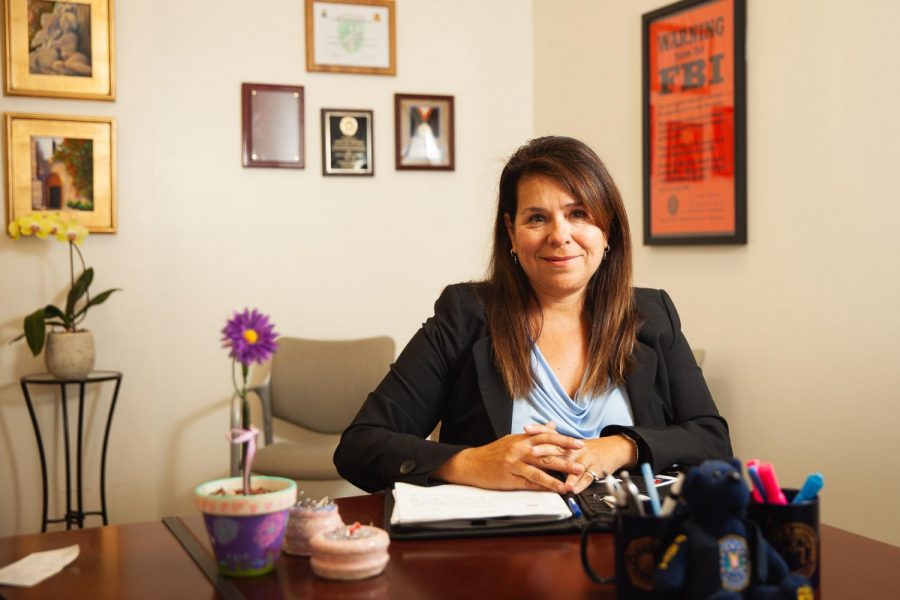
(423, 132)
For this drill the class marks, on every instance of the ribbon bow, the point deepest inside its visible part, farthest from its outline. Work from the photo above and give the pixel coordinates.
(240, 436)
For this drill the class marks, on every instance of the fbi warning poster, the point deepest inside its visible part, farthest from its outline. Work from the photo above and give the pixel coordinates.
(695, 123)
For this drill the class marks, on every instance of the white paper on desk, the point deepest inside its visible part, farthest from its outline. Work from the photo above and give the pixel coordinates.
(38, 566)
(416, 504)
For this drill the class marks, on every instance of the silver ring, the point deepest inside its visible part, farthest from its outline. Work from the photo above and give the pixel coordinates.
(594, 475)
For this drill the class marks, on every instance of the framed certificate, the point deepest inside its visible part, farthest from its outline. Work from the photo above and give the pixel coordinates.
(423, 132)
(351, 36)
(272, 125)
(694, 105)
(347, 146)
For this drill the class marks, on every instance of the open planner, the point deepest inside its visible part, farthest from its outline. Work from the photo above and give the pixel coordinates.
(451, 510)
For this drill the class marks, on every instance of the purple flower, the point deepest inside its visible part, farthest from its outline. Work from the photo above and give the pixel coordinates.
(250, 336)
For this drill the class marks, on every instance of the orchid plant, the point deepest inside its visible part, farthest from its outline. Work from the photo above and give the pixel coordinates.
(65, 229)
(250, 337)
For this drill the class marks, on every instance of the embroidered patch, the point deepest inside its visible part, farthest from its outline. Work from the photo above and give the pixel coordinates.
(640, 561)
(804, 592)
(798, 544)
(734, 563)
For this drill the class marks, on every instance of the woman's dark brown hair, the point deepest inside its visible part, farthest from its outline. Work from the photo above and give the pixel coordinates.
(608, 304)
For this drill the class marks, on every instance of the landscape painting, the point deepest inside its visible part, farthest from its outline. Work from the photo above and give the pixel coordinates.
(63, 174)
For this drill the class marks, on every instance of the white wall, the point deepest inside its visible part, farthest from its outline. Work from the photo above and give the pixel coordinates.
(199, 235)
(800, 325)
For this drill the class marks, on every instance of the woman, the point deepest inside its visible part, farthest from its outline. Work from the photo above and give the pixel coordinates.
(554, 365)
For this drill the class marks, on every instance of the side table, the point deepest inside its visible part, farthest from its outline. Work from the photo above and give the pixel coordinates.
(76, 516)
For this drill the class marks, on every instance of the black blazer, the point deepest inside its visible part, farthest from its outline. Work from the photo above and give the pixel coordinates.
(446, 374)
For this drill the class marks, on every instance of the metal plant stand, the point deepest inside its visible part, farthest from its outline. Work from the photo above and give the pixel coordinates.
(73, 516)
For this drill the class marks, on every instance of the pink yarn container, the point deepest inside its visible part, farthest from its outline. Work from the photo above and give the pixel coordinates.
(304, 522)
(349, 553)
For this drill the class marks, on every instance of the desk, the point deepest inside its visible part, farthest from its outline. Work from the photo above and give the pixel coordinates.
(72, 516)
(143, 560)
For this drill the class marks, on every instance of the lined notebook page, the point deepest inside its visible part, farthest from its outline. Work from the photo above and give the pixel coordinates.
(417, 504)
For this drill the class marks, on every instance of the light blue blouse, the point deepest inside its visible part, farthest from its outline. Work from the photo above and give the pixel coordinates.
(579, 417)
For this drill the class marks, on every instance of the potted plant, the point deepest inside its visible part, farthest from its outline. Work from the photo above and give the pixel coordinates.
(70, 348)
(246, 519)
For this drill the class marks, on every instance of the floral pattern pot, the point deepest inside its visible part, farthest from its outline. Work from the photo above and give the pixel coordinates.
(246, 532)
(69, 354)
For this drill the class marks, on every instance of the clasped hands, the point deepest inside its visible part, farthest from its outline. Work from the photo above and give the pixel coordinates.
(524, 461)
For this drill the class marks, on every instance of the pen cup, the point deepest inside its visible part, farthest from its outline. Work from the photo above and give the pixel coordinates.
(640, 541)
(793, 530)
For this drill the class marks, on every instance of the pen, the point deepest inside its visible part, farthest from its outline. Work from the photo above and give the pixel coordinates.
(647, 472)
(753, 472)
(634, 494)
(810, 489)
(770, 484)
(755, 488)
(573, 506)
(615, 490)
(671, 500)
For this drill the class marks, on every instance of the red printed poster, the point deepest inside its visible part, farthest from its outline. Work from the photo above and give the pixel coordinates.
(694, 143)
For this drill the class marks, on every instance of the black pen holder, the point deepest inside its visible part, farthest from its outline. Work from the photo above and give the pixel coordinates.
(793, 530)
(640, 542)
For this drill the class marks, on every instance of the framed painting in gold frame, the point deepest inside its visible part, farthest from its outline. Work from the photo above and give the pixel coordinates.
(61, 163)
(59, 49)
(351, 36)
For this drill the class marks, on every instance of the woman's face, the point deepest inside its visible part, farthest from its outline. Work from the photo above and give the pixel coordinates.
(558, 244)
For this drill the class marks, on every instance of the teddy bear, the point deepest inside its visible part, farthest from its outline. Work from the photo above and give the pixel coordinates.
(718, 553)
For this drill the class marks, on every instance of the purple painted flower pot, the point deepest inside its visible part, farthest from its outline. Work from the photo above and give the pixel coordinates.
(246, 532)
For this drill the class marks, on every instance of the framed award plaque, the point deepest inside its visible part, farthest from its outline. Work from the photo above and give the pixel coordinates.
(695, 141)
(347, 145)
(272, 125)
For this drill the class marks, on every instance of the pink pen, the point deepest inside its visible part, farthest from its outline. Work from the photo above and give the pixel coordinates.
(770, 482)
(757, 497)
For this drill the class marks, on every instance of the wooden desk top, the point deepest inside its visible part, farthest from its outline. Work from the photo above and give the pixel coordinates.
(143, 560)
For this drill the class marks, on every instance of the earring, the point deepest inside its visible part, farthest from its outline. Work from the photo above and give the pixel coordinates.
(606, 251)
(515, 256)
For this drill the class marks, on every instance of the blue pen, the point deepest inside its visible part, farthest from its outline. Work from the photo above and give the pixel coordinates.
(647, 472)
(757, 482)
(573, 506)
(810, 489)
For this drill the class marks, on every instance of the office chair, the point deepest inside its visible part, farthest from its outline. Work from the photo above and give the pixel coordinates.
(699, 356)
(313, 391)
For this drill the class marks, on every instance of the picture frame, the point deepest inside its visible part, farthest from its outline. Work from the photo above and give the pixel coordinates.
(348, 145)
(423, 132)
(272, 125)
(351, 36)
(59, 49)
(695, 123)
(61, 163)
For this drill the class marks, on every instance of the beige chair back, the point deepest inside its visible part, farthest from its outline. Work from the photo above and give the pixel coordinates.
(320, 384)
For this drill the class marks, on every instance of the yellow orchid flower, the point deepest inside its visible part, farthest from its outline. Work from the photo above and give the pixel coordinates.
(34, 224)
(76, 232)
(13, 229)
(61, 231)
(55, 223)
